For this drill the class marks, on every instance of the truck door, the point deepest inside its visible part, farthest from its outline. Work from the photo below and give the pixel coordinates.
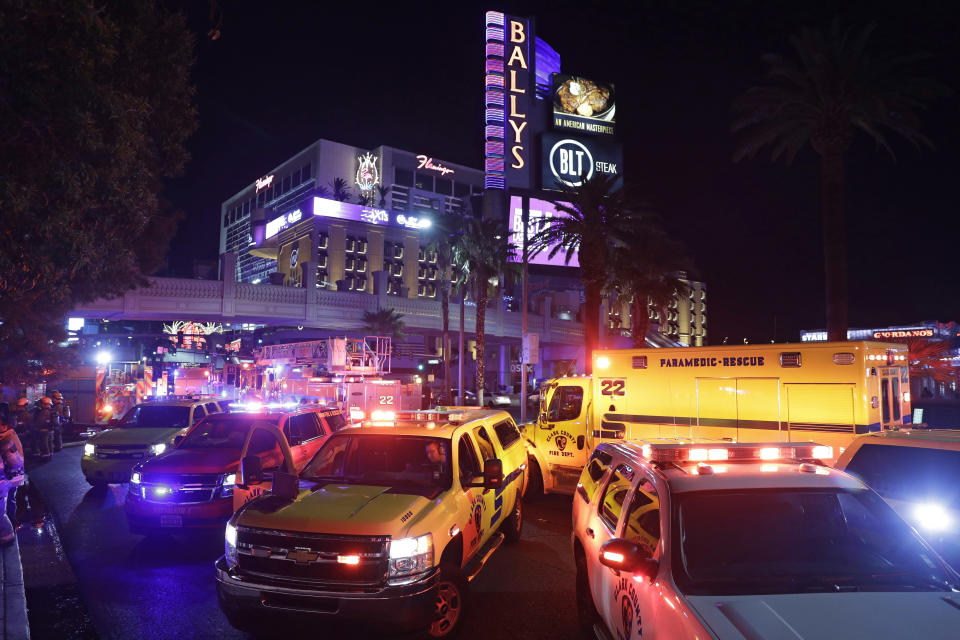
(268, 442)
(562, 428)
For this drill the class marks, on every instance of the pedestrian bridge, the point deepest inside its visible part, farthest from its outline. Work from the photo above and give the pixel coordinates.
(341, 311)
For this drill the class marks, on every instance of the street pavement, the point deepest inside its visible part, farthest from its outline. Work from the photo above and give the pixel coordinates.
(164, 587)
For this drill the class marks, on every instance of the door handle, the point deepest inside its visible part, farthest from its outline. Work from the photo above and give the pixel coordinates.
(589, 532)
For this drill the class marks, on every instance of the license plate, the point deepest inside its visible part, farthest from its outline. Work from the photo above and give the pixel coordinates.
(171, 521)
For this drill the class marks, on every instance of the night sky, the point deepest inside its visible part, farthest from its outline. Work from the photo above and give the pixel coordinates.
(410, 75)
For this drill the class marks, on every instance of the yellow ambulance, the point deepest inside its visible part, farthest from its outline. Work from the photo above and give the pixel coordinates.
(826, 392)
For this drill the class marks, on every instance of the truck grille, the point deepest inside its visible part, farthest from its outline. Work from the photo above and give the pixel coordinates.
(184, 489)
(312, 557)
(121, 451)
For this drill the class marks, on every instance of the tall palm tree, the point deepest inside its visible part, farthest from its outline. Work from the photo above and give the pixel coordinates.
(341, 190)
(646, 270)
(833, 88)
(445, 231)
(483, 253)
(594, 214)
(384, 322)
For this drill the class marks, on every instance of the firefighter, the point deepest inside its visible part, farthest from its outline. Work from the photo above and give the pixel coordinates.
(62, 410)
(11, 465)
(44, 420)
(20, 417)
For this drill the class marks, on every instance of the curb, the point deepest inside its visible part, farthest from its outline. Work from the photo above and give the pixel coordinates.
(15, 622)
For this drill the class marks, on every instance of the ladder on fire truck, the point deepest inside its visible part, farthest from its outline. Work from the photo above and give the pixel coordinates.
(368, 356)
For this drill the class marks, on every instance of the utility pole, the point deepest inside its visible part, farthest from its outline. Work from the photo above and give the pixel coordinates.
(523, 333)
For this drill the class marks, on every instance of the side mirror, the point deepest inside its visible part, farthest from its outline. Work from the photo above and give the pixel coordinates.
(251, 470)
(623, 555)
(285, 485)
(177, 441)
(492, 474)
(581, 440)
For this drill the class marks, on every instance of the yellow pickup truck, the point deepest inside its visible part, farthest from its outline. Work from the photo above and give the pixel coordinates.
(384, 528)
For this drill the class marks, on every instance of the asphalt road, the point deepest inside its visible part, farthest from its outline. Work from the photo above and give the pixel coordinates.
(135, 587)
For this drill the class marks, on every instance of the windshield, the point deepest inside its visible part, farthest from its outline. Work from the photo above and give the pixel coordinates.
(157, 416)
(383, 460)
(222, 432)
(797, 541)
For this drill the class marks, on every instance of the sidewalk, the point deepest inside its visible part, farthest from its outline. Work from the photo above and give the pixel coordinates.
(15, 625)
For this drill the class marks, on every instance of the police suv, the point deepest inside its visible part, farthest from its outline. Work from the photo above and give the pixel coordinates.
(748, 541)
(383, 528)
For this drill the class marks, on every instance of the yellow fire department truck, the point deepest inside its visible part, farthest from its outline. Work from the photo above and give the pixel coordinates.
(824, 392)
(349, 373)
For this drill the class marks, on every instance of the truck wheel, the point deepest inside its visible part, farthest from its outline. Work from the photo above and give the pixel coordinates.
(587, 615)
(451, 601)
(534, 487)
(513, 525)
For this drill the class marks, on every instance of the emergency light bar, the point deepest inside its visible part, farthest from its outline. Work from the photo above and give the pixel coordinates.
(735, 451)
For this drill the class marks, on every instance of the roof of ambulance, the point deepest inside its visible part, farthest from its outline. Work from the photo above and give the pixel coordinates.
(732, 475)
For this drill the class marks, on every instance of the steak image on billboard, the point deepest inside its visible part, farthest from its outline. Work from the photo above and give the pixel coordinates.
(583, 105)
(542, 213)
(567, 160)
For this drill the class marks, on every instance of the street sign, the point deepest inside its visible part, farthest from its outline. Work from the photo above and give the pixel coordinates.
(530, 352)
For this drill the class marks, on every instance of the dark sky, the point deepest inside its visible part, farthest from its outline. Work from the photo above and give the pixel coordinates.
(410, 75)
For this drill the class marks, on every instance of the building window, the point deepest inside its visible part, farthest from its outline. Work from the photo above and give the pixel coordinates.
(461, 190)
(393, 266)
(305, 172)
(424, 181)
(445, 186)
(403, 177)
(427, 274)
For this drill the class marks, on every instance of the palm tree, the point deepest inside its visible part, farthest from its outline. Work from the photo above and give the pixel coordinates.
(445, 230)
(595, 213)
(648, 269)
(483, 254)
(383, 192)
(830, 91)
(384, 322)
(341, 190)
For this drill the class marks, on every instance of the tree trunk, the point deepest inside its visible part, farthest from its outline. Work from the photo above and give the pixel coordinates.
(481, 338)
(445, 311)
(460, 355)
(591, 322)
(639, 321)
(834, 243)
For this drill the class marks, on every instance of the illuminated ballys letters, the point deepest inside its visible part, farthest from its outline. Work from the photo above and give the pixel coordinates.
(515, 63)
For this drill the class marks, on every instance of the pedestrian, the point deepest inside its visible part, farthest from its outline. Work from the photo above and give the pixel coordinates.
(62, 410)
(11, 465)
(42, 427)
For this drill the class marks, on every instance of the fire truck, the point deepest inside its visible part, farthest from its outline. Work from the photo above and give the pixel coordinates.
(826, 392)
(353, 374)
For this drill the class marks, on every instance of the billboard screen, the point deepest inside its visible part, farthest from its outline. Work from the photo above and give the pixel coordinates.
(541, 214)
(583, 105)
(566, 160)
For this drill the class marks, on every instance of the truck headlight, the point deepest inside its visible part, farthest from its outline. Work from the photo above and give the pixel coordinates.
(230, 545)
(89, 450)
(157, 449)
(227, 485)
(932, 517)
(408, 557)
(135, 477)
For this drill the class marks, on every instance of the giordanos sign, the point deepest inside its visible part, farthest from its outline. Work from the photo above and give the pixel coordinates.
(568, 161)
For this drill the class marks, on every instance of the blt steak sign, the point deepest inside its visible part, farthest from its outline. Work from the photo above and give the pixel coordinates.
(569, 161)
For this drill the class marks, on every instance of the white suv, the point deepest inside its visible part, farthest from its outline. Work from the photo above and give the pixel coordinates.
(746, 541)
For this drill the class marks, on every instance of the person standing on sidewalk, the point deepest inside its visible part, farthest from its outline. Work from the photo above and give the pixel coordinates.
(11, 477)
(43, 423)
(62, 411)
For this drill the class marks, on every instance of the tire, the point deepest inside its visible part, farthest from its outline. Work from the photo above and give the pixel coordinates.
(513, 526)
(452, 599)
(587, 614)
(534, 489)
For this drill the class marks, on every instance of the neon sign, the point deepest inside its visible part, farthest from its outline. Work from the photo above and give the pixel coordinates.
(374, 216)
(367, 174)
(427, 163)
(907, 333)
(413, 222)
(277, 225)
(508, 95)
(263, 183)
